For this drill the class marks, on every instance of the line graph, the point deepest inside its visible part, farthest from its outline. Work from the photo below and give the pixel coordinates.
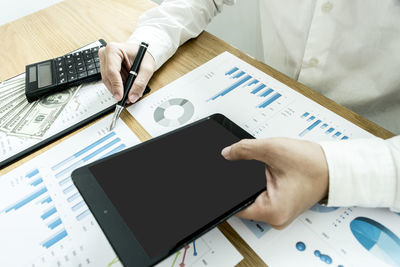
(204, 251)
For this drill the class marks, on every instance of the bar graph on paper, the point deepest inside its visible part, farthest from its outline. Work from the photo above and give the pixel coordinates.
(103, 147)
(315, 123)
(48, 221)
(242, 80)
(44, 213)
(257, 102)
(38, 199)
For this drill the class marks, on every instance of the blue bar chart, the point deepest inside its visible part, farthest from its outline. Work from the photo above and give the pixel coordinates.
(269, 101)
(233, 86)
(246, 81)
(100, 148)
(45, 216)
(38, 200)
(258, 89)
(318, 124)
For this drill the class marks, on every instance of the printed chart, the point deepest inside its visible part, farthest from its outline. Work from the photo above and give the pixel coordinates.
(207, 250)
(44, 213)
(47, 219)
(266, 108)
(328, 236)
(260, 104)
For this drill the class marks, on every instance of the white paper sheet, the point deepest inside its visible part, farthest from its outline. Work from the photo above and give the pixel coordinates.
(265, 108)
(212, 249)
(45, 221)
(258, 103)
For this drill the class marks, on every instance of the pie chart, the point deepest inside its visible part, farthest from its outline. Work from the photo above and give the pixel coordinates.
(377, 239)
(174, 112)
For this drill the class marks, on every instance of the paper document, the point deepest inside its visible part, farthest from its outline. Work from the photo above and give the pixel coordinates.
(255, 101)
(49, 224)
(212, 249)
(266, 107)
(47, 221)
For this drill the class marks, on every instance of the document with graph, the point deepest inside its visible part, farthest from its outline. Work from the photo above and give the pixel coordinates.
(46, 220)
(265, 107)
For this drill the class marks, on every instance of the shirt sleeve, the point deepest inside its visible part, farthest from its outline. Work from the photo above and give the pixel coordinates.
(364, 172)
(172, 23)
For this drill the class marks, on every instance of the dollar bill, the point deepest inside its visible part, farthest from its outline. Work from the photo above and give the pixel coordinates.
(4, 97)
(10, 103)
(12, 83)
(19, 105)
(8, 90)
(17, 116)
(35, 122)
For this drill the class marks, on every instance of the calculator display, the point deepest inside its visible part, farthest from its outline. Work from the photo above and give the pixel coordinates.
(32, 74)
(44, 74)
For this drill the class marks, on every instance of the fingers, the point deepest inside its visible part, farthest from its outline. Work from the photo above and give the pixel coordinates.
(145, 72)
(111, 58)
(115, 61)
(246, 149)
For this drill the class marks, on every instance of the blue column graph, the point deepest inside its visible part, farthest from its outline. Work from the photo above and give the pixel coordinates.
(311, 118)
(330, 130)
(231, 71)
(247, 81)
(315, 122)
(38, 204)
(54, 238)
(258, 88)
(254, 81)
(269, 101)
(308, 129)
(37, 181)
(232, 87)
(32, 173)
(266, 92)
(26, 200)
(100, 148)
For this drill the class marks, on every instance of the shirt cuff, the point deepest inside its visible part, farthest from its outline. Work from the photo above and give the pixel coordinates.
(361, 173)
(158, 42)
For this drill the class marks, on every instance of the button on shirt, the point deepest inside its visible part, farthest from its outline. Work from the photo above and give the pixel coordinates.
(346, 50)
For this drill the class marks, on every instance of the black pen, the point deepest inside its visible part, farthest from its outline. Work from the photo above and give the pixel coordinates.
(129, 81)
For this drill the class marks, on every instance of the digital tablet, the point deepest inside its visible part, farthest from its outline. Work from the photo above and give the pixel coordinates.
(154, 198)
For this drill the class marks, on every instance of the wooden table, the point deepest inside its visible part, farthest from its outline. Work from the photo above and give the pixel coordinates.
(71, 24)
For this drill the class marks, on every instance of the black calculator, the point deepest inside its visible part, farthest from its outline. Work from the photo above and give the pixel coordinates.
(60, 73)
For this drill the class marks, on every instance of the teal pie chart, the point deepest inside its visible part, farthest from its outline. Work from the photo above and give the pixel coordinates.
(174, 112)
(377, 239)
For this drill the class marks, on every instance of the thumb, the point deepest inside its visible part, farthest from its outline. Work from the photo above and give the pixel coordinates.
(246, 149)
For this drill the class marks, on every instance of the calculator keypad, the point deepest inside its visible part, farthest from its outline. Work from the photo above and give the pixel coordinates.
(78, 65)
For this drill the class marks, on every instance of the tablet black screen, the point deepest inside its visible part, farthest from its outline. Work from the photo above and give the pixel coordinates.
(168, 189)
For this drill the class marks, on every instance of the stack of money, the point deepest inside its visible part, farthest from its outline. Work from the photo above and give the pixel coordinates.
(20, 118)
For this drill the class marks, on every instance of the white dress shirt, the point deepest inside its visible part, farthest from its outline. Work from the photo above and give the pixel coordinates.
(346, 50)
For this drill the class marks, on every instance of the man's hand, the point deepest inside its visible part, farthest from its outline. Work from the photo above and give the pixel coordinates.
(115, 62)
(297, 177)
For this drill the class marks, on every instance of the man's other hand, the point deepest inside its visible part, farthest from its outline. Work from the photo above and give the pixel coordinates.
(296, 173)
